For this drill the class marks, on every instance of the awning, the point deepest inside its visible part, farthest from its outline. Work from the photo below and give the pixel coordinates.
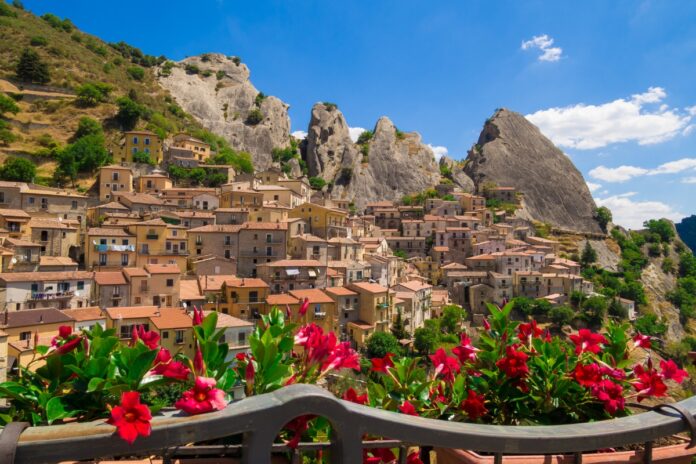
(312, 272)
(292, 272)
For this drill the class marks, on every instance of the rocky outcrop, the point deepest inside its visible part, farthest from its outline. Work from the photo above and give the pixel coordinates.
(390, 165)
(221, 98)
(512, 152)
(459, 177)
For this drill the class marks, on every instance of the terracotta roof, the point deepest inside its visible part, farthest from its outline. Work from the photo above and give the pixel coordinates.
(281, 299)
(440, 248)
(14, 213)
(194, 214)
(108, 232)
(227, 228)
(163, 268)
(370, 287)
(226, 321)
(13, 319)
(171, 318)
(213, 282)
(20, 243)
(116, 166)
(112, 205)
(109, 278)
(92, 313)
(362, 325)
(135, 272)
(189, 290)
(415, 285)
(56, 261)
(47, 224)
(309, 238)
(131, 312)
(454, 266)
(340, 291)
(45, 276)
(142, 198)
(295, 263)
(245, 282)
(152, 222)
(314, 295)
(265, 226)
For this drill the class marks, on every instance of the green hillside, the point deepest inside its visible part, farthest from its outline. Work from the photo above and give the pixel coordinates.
(48, 115)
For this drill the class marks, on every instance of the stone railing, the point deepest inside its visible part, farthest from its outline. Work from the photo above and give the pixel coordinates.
(258, 419)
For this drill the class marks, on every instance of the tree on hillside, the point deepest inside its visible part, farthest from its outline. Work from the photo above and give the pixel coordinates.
(398, 329)
(18, 170)
(604, 217)
(128, 113)
(452, 318)
(425, 340)
(93, 93)
(589, 255)
(7, 105)
(381, 343)
(31, 69)
(661, 227)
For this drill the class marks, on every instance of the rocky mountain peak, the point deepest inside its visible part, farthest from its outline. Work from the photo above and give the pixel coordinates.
(512, 152)
(216, 90)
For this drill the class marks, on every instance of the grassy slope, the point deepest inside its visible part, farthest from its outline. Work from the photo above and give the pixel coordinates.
(72, 63)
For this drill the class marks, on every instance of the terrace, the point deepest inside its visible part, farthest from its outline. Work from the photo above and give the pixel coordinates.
(257, 420)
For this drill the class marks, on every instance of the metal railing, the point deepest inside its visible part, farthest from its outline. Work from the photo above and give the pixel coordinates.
(260, 418)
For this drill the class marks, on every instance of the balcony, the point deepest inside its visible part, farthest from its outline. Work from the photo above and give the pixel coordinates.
(119, 248)
(257, 420)
(151, 237)
(37, 296)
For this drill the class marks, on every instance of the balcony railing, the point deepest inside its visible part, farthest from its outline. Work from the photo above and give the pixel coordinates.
(259, 419)
(121, 248)
(51, 295)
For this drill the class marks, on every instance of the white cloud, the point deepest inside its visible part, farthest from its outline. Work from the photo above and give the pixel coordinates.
(593, 187)
(439, 151)
(544, 44)
(355, 133)
(586, 127)
(632, 214)
(689, 180)
(624, 173)
(299, 134)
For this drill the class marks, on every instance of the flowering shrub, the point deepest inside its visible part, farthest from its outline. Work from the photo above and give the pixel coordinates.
(516, 373)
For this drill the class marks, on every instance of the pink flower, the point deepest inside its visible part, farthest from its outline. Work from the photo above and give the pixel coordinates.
(304, 307)
(586, 340)
(197, 316)
(203, 397)
(413, 458)
(198, 362)
(465, 351)
(407, 408)
(611, 394)
(642, 341)
(382, 364)
(530, 329)
(167, 367)
(514, 364)
(131, 418)
(306, 333)
(446, 365)
(352, 396)
(474, 405)
(342, 357)
(148, 337)
(670, 370)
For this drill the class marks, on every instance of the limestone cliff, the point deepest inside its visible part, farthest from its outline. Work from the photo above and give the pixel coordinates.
(216, 90)
(459, 177)
(512, 152)
(387, 166)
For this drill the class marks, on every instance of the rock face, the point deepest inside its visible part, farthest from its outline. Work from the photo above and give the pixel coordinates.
(459, 177)
(512, 152)
(222, 102)
(396, 163)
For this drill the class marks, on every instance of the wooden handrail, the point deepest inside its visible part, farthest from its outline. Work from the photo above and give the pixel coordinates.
(260, 418)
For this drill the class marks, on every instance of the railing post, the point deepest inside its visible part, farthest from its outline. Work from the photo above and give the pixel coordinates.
(346, 445)
(257, 446)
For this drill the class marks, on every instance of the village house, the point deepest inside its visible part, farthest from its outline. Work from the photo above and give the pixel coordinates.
(111, 289)
(236, 335)
(417, 303)
(114, 178)
(322, 221)
(347, 308)
(293, 274)
(375, 312)
(243, 298)
(308, 246)
(20, 255)
(110, 248)
(139, 142)
(86, 318)
(15, 222)
(141, 203)
(321, 311)
(32, 290)
(57, 238)
(199, 148)
(153, 184)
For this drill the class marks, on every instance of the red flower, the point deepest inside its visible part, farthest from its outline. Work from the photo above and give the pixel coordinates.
(586, 340)
(649, 383)
(611, 394)
(414, 458)
(342, 357)
(514, 364)
(287, 311)
(530, 329)
(70, 345)
(670, 370)
(465, 351)
(445, 365)
(149, 338)
(198, 362)
(486, 324)
(379, 456)
(382, 364)
(197, 316)
(64, 331)
(131, 418)
(407, 408)
(587, 375)
(642, 341)
(352, 396)
(474, 405)
(547, 336)
(249, 372)
(617, 374)
(298, 426)
(167, 367)
(437, 395)
(304, 307)
(306, 333)
(203, 397)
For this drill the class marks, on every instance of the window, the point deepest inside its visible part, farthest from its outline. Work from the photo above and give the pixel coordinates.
(80, 284)
(135, 140)
(170, 282)
(143, 285)
(31, 200)
(114, 176)
(253, 297)
(179, 337)
(165, 334)
(135, 150)
(25, 335)
(138, 300)
(2, 197)
(125, 331)
(73, 205)
(124, 260)
(44, 236)
(147, 141)
(242, 338)
(102, 259)
(227, 254)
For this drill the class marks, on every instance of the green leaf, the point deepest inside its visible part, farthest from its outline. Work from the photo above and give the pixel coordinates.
(140, 367)
(55, 409)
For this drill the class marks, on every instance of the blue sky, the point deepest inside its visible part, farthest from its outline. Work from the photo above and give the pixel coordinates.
(611, 82)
